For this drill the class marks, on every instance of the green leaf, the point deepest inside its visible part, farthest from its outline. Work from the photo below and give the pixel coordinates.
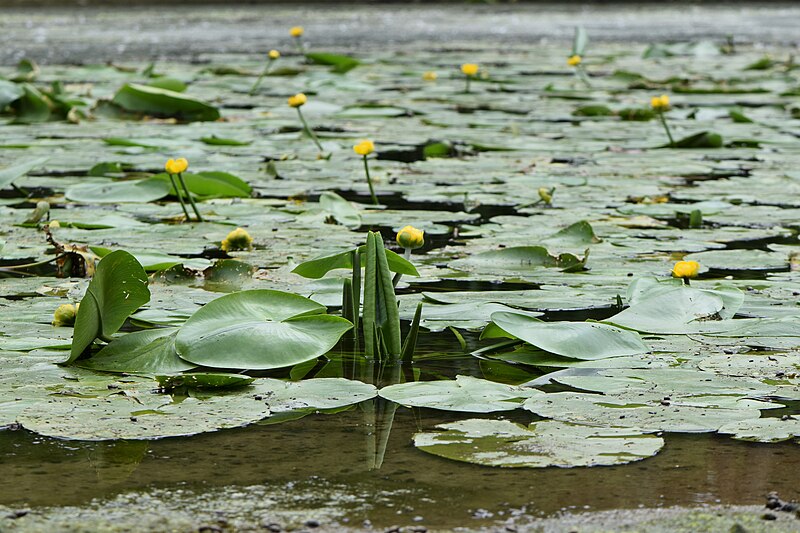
(9, 92)
(150, 351)
(163, 103)
(593, 111)
(520, 258)
(212, 184)
(542, 444)
(381, 321)
(170, 84)
(258, 329)
(220, 141)
(704, 139)
(466, 395)
(11, 174)
(32, 107)
(319, 266)
(339, 63)
(117, 192)
(579, 340)
(118, 288)
(340, 209)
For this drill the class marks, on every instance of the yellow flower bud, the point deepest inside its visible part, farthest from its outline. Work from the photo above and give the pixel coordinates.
(574, 61)
(411, 237)
(54, 224)
(296, 31)
(297, 100)
(660, 103)
(469, 69)
(65, 314)
(365, 148)
(238, 239)
(274, 54)
(686, 269)
(546, 195)
(176, 166)
(429, 76)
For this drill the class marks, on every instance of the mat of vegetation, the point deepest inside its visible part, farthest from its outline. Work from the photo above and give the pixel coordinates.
(549, 193)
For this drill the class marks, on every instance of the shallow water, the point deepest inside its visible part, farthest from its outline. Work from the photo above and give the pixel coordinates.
(330, 450)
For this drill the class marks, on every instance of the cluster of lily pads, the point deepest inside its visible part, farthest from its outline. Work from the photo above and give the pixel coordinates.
(559, 238)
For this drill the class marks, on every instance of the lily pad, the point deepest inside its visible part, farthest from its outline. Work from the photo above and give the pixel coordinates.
(258, 329)
(540, 445)
(466, 394)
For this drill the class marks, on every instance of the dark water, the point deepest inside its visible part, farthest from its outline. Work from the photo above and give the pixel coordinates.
(319, 449)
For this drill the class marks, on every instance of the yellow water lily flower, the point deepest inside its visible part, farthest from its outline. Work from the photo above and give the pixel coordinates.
(65, 314)
(176, 166)
(686, 269)
(297, 100)
(364, 148)
(470, 69)
(546, 195)
(238, 239)
(574, 60)
(411, 238)
(274, 54)
(660, 103)
(429, 76)
(296, 31)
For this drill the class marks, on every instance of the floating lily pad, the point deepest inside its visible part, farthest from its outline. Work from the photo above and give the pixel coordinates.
(466, 394)
(542, 444)
(579, 340)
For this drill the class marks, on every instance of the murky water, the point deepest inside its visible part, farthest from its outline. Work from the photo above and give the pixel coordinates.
(410, 486)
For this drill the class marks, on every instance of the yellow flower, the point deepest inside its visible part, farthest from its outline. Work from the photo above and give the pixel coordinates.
(411, 237)
(54, 224)
(297, 100)
(574, 61)
(660, 103)
(364, 148)
(274, 54)
(238, 239)
(65, 315)
(176, 166)
(469, 69)
(685, 269)
(429, 76)
(296, 31)
(546, 195)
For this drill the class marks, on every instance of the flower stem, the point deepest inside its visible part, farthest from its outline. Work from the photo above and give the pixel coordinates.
(308, 130)
(466, 88)
(666, 128)
(189, 195)
(261, 77)
(179, 195)
(369, 182)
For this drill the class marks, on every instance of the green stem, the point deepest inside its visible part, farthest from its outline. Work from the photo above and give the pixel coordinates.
(298, 41)
(20, 190)
(466, 88)
(308, 130)
(369, 182)
(398, 275)
(261, 77)
(191, 200)
(179, 195)
(666, 128)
